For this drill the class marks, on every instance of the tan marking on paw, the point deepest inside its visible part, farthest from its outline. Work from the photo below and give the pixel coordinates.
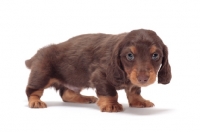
(109, 104)
(141, 103)
(136, 100)
(35, 102)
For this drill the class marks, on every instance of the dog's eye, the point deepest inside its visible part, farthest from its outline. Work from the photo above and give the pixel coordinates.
(155, 56)
(130, 56)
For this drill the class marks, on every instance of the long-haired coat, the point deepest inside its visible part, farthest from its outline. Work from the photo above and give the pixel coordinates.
(102, 61)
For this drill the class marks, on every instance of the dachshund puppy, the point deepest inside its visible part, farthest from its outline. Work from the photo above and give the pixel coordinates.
(102, 61)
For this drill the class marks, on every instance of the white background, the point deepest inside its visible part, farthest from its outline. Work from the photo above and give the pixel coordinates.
(26, 26)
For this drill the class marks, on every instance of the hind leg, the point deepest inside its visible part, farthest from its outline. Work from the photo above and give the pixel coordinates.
(38, 81)
(34, 99)
(68, 95)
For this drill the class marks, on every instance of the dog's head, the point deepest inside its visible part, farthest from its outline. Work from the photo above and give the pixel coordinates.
(139, 58)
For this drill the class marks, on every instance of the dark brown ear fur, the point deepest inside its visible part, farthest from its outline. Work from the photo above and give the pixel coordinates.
(164, 74)
(115, 73)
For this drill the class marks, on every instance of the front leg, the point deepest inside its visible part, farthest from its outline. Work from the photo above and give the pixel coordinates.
(135, 99)
(108, 97)
(109, 104)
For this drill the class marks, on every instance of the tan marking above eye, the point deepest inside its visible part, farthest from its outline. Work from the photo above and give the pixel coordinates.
(153, 49)
(133, 49)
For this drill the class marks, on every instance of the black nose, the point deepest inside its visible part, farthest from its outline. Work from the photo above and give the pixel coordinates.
(143, 78)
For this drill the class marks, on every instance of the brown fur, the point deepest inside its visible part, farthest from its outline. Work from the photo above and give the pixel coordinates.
(99, 61)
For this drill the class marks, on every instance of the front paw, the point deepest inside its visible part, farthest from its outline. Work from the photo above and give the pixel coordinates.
(141, 103)
(111, 107)
(109, 104)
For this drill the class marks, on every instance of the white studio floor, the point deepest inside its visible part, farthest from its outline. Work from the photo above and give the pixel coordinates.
(26, 26)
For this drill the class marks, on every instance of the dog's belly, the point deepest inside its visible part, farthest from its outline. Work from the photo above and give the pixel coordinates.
(73, 88)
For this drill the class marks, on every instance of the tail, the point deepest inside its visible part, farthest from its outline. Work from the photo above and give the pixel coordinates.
(28, 63)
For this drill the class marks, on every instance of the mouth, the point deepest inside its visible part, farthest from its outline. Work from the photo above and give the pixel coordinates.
(144, 84)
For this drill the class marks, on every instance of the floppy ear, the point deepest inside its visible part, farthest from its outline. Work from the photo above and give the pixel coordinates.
(115, 73)
(164, 74)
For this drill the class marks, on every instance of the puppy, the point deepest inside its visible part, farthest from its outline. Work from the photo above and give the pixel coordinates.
(102, 61)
